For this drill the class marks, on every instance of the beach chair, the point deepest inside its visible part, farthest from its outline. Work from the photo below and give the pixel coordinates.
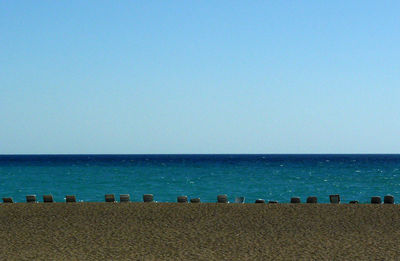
(123, 198)
(195, 200)
(48, 199)
(148, 198)
(239, 200)
(295, 200)
(260, 200)
(8, 200)
(31, 199)
(312, 200)
(182, 199)
(376, 200)
(353, 202)
(222, 199)
(272, 202)
(334, 199)
(388, 199)
(70, 199)
(110, 198)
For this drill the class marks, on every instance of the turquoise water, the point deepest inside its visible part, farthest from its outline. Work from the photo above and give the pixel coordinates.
(271, 177)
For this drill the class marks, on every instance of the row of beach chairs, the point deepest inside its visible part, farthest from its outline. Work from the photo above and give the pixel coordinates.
(334, 199)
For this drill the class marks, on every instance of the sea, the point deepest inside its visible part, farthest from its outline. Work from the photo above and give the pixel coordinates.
(269, 177)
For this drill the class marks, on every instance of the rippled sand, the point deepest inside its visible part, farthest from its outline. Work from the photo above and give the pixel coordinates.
(171, 231)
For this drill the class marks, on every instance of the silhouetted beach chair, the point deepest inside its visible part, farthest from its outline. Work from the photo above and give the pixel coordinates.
(222, 199)
(8, 200)
(312, 200)
(148, 198)
(123, 198)
(295, 200)
(260, 200)
(272, 202)
(31, 199)
(109, 198)
(182, 199)
(388, 199)
(334, 199)
(70, 199)
(195, 200)
(239, 200)
(353, 202)
(376, 200)
(48, 199)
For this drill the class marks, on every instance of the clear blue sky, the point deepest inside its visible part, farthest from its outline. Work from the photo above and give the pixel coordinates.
(199, 77)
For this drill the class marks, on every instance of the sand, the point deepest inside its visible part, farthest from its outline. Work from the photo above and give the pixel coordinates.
(171, 231)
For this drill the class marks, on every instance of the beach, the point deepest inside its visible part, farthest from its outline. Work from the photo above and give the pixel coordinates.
(206, 231)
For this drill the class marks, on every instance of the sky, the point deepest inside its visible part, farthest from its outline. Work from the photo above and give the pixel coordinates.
(121, 77)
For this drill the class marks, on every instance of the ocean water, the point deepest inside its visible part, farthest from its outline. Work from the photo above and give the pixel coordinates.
(271, 177)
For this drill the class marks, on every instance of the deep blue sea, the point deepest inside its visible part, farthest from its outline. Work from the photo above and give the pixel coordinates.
(271, 177)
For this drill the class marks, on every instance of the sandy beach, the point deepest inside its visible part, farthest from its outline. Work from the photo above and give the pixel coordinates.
(171, 231)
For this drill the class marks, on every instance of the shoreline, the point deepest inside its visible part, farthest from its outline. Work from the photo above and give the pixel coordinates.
(206, 231)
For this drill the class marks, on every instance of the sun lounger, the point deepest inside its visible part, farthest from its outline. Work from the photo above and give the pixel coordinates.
(295, 200)
(48, 199)
(110, 198)
(123, 198)
(31, 199)
(260, 200)
(312, 200)
(148, 198)
(376, 200)
(388, 199)
(334, 199)
(70, 199)
(195, 200)
(182, 199)
(222, 199)
(8, 200)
